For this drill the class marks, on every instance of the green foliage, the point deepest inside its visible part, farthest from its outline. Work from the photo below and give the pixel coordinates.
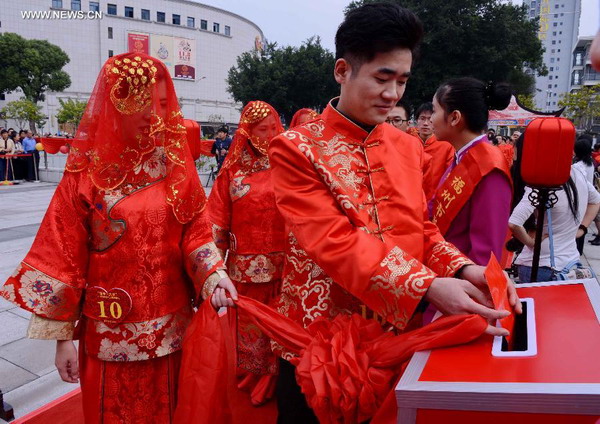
(485, 39)
(527, 100)
(24, 111)
(34, 66)
(582, 106)
(71, 111)
(288, 78)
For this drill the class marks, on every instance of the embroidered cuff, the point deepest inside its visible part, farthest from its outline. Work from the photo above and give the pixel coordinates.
(209, 285)
(446, 259)
(50, 329)
(41, 294)
(204, 261)
(397, 287)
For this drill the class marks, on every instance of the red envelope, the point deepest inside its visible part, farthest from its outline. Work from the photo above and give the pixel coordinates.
(497, 283)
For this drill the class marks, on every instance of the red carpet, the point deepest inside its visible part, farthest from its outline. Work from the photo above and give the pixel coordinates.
(67, 410)
(64, 410)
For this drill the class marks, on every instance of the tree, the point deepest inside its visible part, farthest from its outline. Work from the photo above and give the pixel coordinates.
(70, 112)
(38, 69)
(24, 111)
(288, 78)
(527, 100)
(486, 39)
(582, 106)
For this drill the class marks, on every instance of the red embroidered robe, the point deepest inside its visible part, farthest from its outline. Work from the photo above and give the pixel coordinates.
(248, 226)
(359, 236)
(126, 238)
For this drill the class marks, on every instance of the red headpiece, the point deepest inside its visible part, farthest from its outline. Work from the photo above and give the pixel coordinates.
(134, 109)
(301, 114)
(252, 114)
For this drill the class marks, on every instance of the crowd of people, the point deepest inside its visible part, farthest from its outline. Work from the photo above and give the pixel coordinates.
(19, 158)
(352, 224)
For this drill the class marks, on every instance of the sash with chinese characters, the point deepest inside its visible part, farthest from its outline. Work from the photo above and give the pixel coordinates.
(458, 187)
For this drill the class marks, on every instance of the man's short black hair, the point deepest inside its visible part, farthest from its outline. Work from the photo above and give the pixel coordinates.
(425, 107)
(404, 105)
(377, 28)
(3, 131)
(224, 129)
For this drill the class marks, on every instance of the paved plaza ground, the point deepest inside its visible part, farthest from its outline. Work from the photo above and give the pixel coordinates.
(28, 378)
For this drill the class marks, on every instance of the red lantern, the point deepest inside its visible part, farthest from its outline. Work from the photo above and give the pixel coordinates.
(193, 137)
(64, 149)
(547, 152)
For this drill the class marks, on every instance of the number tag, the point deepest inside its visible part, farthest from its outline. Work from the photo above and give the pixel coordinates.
(109, 306)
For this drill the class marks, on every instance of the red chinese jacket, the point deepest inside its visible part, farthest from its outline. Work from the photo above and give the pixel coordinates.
(127, 238)
(359, 237)
(248, 226)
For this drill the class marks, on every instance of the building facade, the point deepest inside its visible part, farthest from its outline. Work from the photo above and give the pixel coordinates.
(199, 43)
(559, 29)
(583, 74)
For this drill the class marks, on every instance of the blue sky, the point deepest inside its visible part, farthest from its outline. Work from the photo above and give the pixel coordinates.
(290, 23)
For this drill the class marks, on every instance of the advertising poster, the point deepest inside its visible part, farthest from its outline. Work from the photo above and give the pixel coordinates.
(185, 59)
(161, 47)
(138, 43)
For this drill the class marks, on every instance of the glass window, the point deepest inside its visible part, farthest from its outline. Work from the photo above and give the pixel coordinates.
(551, 68)
(57, 4)
(94, 6)
(111, 53)
(176, 19)
(216, 27)
(227, 30)
(111, 9)
(128, 12)
(160, 17)
(110, 33)
(203, 24)
(145, 14)
(191, 22)
(75, 4)
(554, 24)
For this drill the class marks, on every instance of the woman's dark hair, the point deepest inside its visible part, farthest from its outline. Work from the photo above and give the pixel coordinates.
(519, 185)
(473, 99)
(583, 151)
(377, 28)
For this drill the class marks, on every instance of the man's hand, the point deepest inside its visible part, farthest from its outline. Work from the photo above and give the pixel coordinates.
(66, 361)
(476, 275)
(452, 296)
(219, 297)
(223, 152)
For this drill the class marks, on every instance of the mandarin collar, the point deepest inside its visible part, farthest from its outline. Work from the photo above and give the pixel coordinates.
(345, 126)
(463, 150)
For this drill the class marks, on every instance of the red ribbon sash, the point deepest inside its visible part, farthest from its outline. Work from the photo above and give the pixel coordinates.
(454, 193)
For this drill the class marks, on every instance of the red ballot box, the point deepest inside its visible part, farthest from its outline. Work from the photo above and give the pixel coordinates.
(553, 378)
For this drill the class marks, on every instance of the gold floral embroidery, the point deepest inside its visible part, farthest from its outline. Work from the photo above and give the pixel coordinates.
(138, 341)
(255, 268)
(204, 260)
(42, 294)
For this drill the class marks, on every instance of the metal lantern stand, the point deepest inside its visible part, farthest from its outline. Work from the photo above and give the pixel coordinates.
(543, 199)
